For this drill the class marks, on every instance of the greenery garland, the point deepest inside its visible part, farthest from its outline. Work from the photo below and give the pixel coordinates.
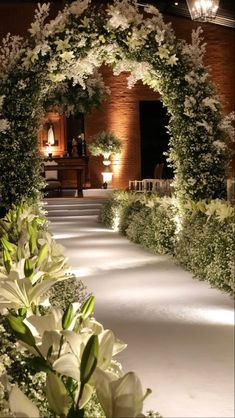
(71, 47)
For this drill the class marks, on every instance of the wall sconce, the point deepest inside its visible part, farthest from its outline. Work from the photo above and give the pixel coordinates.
(203, 10)
(51, 141)
(107, 177)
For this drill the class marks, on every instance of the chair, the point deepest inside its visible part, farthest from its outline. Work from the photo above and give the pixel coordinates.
(51, 176)
(158, 171)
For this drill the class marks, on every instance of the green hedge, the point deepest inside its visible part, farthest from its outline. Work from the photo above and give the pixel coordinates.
(206, 247)
(200, 236)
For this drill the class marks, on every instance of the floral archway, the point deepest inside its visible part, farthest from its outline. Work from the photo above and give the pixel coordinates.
(71, 47)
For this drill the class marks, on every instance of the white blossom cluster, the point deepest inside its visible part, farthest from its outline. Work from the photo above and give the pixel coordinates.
(41, 13)
(195, 51)
(122, 14)
(4, 124)
(10, 51)
(227, 127)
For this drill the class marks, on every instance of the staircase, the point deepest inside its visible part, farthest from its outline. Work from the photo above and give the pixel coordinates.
(61, 209)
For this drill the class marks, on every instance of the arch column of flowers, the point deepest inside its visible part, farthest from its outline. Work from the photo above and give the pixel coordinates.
(72, 47)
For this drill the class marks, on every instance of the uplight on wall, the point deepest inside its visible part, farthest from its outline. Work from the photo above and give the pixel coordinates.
(107, 177)
(203, 10)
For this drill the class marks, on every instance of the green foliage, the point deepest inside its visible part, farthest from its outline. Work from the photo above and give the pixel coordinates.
(105, 143)
(200, 235)
(154, 228)
(206, 247)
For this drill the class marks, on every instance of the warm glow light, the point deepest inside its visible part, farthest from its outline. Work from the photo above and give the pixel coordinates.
(49, 150)
(116, 166)
(107, 177)
(203, 10)
(116, 221)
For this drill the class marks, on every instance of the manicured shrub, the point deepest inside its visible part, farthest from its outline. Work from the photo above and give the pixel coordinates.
(200, 235)
(154, 227)
(206, 247)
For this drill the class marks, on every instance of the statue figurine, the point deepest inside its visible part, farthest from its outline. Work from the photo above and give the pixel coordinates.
(74, 148)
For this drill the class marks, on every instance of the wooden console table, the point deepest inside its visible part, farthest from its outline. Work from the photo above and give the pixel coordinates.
(66, 166)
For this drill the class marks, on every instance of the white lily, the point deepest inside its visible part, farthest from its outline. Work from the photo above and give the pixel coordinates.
(57, 395)
(21, 406)
(20, 293)
(121, 397)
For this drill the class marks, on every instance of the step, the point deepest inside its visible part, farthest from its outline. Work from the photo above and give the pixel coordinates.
(75, 212)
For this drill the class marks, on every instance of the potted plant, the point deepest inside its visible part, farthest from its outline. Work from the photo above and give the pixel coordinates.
(105, 143)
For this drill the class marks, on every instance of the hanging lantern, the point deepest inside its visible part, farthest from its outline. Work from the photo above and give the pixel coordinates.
(203, 10)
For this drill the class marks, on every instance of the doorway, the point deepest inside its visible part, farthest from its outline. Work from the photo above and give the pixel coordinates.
(154, 138)
(75, 126)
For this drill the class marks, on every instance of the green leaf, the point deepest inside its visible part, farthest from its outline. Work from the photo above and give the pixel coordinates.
(8, 246)
(20, 329)
(7, 260)
(28, 268)
(22, 312)
(89, 359)
(70, 384)
(42, 254)
(32, 237)
(88, 307)
(68, 316)
(39, 364)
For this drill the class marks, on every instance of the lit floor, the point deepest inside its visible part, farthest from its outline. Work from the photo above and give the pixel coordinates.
(179, 331)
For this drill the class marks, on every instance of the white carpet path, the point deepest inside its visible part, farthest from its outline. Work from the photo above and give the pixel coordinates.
(179, 331)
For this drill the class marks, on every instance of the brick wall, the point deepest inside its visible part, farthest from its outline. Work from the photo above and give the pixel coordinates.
(120, 112)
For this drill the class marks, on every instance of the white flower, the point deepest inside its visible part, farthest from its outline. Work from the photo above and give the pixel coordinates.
(137, 38)
(30, 57)
(160, 36)
(4, 125)
(57, 77)
(35, 28)
(78, 7)
(227, 127)
(21, 406)
(151, 9)
(196, 50)
(205, 125)
(163, 52)
(21, 84)
(219, 145)
(221, 209)
(118, 21)
(211, 103)
(61, 44)
(121, 397)
(67, 55)
(189, 106)
(122, 15)
(172, 60)
(1, 101)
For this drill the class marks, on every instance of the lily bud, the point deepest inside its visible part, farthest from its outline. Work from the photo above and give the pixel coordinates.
(20, 329)
(28, 268)
(88, 307)
(68, 316)
(42, 254)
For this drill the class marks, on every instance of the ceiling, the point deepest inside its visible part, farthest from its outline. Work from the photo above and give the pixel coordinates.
(225, 15)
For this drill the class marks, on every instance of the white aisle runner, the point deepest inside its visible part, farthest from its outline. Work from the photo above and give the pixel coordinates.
(179, 331)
